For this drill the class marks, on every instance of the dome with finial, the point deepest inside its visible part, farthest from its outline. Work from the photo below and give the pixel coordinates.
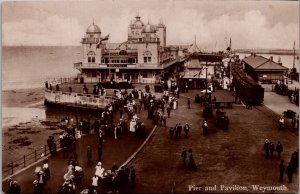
(149, 28)
(161, 23)
(93, 29)
(138, 23)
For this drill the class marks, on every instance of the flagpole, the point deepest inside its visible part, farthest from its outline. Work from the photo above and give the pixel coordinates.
(294, 57)
(109, 64)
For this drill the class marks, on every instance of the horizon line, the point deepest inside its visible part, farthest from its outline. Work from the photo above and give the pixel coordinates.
(167, 45)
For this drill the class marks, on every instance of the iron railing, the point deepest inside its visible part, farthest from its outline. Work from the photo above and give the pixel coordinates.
(26, 160)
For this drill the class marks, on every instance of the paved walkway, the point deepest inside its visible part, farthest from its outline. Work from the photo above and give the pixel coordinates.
(113, 151)
(232, 157)
(224, 157)
(279, 103)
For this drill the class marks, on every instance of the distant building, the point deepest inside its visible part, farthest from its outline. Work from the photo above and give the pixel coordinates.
(263, 69)
(199, 67)
(143, 58)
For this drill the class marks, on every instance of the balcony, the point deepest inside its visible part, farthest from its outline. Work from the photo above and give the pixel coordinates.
(78, 65)
(81, 65)
(90, 40)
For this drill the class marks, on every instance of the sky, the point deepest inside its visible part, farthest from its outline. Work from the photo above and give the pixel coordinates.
(250, 24)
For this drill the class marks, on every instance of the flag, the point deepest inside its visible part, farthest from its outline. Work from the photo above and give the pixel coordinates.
(100, 40)
(106, 37)
(98, 44)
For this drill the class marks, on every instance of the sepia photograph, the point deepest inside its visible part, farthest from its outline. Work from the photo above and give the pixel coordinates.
(130, 96)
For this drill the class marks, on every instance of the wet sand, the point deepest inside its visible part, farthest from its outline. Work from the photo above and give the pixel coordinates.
(22, 138)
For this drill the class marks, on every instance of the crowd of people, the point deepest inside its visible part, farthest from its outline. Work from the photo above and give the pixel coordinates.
(13, 186)
(177, 130)
(293, 164)
(114, 179)
(130, 103)
(72, 178)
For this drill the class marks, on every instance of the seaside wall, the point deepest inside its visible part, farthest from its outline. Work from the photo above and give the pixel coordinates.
(77, 100)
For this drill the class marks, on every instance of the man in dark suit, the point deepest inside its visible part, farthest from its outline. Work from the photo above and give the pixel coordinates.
(279, 149)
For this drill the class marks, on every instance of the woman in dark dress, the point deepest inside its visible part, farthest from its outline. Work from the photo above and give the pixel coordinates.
(191, 165)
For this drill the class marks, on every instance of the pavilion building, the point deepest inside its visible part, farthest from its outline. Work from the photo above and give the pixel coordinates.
(142, 58)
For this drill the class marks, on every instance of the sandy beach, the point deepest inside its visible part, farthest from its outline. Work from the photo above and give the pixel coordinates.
(31, 134)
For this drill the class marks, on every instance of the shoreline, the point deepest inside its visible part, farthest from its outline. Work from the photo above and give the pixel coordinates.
(22, 97)
(24, 132)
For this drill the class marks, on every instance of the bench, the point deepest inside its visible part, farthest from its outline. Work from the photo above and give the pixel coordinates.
(223, 104)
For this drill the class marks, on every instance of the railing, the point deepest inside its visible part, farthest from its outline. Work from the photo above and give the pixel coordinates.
(77, 65)
(147, 80)
(62, 80)
(77, 99)
(26, 160)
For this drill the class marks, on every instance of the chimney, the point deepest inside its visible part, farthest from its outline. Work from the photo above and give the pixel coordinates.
(271, 58)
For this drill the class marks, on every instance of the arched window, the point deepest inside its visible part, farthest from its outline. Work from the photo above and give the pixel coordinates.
(122, 52)
(91, 57)
(147, 53)
(147, 56)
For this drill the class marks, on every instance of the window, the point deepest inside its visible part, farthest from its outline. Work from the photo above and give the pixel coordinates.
(147, 59)
(147, 53)
(122, 52)
(91, 57)
(91, 74)
(146, 75)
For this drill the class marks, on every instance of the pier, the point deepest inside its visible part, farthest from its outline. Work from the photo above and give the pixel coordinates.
(77, 100)
(236, 152)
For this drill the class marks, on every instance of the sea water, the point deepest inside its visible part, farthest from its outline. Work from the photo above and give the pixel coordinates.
(30, 67)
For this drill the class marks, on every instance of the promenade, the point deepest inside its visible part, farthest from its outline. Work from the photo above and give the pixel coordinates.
(224, 157)
(117, 151)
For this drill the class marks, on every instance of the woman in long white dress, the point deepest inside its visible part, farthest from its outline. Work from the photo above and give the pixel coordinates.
(99, 170)
(70, 172)
(174, 104)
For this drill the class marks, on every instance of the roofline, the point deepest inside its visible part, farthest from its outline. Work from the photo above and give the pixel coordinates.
(268, 60)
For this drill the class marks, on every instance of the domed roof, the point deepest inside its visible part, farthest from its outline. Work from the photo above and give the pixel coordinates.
(93, 29)
(149, 28)
(138, 22)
